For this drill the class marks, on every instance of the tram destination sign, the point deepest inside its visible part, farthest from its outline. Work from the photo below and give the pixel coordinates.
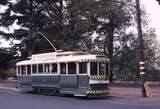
(44, 56)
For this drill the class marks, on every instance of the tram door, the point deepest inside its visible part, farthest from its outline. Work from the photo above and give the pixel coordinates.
(83, 76)
(68, 77)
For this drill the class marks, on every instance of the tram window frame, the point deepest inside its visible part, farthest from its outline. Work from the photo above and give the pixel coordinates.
(34, 68)
(72, 68)
(28, 69)
(100, 68)
(47, 68)
(94, 68)
(54, 69)
(23, 70)
(63, 68)
(82, 68)
(40, 68)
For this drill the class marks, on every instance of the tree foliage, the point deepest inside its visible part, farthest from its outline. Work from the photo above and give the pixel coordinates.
(98, 26)
(5, 61)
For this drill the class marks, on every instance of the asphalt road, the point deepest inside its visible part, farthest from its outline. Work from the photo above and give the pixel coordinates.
(19, 100)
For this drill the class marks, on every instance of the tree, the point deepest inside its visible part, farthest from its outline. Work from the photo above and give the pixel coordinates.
(119, 15)
(3, 2)
(97, 26)
(60, 23)
(158, 1)
(113, 40)
(73, 22)
(6, 56)
(31, 16)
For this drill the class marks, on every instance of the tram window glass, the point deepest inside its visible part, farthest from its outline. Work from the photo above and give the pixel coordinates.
(53, 68)
(46, 68)
(102, 68)
(93, 68)
(62, 68)
(40, 68)
(107, 69)
(23, 69)
(34, 69)
(28, 69)
(19, 71)
(82, 68)
(72, 68)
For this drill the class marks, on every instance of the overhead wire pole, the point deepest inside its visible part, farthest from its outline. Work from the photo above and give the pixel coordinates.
(48, 41)
(141, 47)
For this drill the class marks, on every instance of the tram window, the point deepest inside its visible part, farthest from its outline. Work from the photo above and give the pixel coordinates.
(82, 68)
(19, 71)
(53, 68)
(46, 68)
(93, 68)
(23, 69)
(40, 68)
(28, 69)
(107, 69)
(34, 69)
(72, 68)
(62, 68)
(102, 68)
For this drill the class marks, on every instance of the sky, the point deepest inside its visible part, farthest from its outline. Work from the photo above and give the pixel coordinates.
(152, 8)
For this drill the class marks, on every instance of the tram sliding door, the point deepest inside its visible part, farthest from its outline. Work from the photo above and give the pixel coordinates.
(83, 78)
(68, 78)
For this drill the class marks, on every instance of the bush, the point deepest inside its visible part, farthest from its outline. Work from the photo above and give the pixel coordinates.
(4, 74)
(153, 75)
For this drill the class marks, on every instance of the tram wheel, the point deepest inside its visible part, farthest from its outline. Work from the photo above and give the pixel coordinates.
(36, 90)
(57, 92)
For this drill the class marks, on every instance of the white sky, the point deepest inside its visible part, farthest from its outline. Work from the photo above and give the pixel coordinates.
(152, 8)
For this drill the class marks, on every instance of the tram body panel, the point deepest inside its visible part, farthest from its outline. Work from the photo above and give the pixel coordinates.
(24, 83)
(83, 82)
(98, 87)
(74, 84)
(44, 80)
(69, 81)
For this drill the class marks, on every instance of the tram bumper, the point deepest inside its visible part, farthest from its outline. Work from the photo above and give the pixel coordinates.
(98, 87)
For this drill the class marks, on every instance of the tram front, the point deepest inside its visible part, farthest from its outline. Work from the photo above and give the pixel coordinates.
(99, 77)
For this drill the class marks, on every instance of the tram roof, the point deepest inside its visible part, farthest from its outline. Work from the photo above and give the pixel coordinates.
(58, 57)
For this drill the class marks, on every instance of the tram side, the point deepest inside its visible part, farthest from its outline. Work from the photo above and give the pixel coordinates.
(77, 78)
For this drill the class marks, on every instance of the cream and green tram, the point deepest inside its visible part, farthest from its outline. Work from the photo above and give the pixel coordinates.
(77, 73)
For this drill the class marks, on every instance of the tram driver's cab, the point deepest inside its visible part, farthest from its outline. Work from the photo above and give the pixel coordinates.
(99, 77)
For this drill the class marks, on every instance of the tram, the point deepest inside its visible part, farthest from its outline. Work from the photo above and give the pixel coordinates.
(70, 72)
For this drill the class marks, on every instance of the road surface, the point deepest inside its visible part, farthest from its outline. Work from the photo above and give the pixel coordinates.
(10, 99)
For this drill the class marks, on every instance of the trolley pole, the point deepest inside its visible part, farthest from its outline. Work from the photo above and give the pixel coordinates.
(141, 47)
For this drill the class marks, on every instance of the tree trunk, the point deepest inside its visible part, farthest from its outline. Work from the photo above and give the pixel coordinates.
(60, 18)
(29, 47)
(110, 47)
(72, 25)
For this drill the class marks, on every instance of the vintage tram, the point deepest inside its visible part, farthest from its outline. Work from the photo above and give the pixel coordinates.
(70, 72)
